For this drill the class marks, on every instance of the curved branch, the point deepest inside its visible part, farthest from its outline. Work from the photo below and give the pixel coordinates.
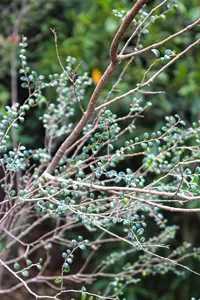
(149, 81)
(124, 26)
(157, 45)
(110, 189)
(95, 96)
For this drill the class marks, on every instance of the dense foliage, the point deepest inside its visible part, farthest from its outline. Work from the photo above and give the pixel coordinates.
(100, 195)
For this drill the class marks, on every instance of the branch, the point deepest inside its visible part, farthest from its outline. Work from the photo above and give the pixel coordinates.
(157, 45)
(172, 209)
(20, 279)
(148, 82)
(141, 24)
(124, 189)
(95, 96)
(124, 26)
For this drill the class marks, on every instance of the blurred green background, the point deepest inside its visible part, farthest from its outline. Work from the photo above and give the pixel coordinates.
(85, 30)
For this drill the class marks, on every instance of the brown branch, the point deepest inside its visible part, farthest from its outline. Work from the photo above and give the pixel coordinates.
(157, 45)
(141, 24)
(172, 209)
(148, 82)
(110, 189)
(123, 28)
(95, 96)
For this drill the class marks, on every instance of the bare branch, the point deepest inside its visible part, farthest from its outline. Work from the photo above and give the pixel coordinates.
(157, 45)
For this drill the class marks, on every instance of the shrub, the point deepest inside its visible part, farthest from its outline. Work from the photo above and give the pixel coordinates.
(80, 187)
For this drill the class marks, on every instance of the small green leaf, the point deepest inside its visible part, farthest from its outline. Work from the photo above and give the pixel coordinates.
(156, 52)
(145, 31)
(83, 296)
(125, 201)
(195, 179)
(39, 267)
(169, 52)
(82, 247)
(144, 146)
(58, 280)
(28, 262)
(25, 273)
(16, 266)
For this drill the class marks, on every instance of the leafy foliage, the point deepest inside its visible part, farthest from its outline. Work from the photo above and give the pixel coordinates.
(101, 182)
